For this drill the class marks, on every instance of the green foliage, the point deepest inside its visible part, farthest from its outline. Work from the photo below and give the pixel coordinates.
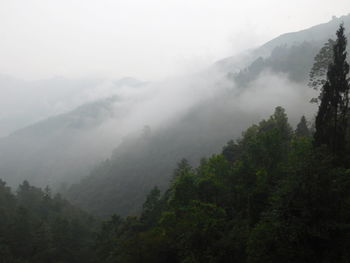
(269, 197)
(152, 208)
(309, 217)
(274, 195)
(121, 184)
(302, 128)
(36, 227)
(333, 114)
(318, 73)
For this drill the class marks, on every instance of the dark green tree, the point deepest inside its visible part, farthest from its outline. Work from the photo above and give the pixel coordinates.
(231, 151)
(34, 227)
(302, 128)
(182, 168)
(318, 73)
(331, 119)
(151, 208)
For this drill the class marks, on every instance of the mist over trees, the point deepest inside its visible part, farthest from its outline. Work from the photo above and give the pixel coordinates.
(38, 226)
(273, 195)
(278, 193)
(332, 118)
(65, 148)
(280, 77)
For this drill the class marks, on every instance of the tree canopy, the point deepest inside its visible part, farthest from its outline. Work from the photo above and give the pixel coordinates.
(332, 117)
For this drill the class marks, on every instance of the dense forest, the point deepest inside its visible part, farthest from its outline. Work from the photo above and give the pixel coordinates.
(274, 195)
(37, 226)
(99, 156)
(280, 67)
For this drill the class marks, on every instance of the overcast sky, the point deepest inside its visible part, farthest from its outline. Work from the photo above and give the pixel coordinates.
(147, 39)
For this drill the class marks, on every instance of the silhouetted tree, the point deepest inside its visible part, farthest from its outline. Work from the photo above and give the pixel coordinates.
(331, 119)
(302, 128)
(318, 73)
(151, 208)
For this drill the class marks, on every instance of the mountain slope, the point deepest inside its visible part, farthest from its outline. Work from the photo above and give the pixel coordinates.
(120, 184)
(63, 148)
(188, 118)
(316, 36)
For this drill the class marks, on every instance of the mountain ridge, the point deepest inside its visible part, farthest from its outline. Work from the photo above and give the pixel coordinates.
(121, 183)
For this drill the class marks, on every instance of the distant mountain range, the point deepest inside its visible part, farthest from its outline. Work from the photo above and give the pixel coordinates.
(316, 35)
(79, 143)
(64, 147)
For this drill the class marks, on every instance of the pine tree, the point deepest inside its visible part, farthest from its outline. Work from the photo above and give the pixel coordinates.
(151, 208)
(318, 73)
(331, 120)
(302, 128)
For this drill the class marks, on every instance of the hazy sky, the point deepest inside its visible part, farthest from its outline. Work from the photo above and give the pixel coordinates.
(148, 39)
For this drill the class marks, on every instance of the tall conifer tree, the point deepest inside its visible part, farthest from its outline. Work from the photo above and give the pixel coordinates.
(331, 120)
(302, 129)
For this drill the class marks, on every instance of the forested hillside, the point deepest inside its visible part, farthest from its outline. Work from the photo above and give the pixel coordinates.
(277, 74)
(190, 117)
(274, 195)
(39, 227)
(268, 197)
(63, 148)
